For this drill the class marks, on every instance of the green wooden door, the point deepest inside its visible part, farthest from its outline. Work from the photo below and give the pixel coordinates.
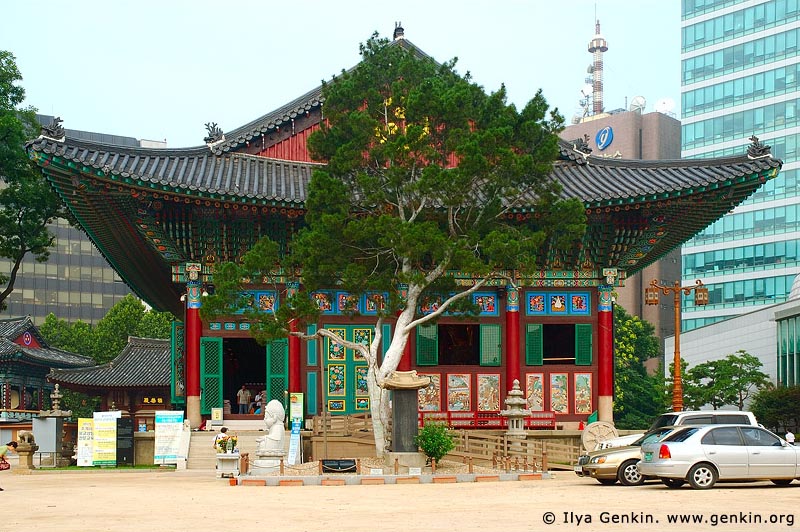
(346, 372)
(277, 370)
(210, 374)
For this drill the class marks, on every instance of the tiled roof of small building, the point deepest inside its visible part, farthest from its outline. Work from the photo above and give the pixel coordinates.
(44, 355)
(143, 362)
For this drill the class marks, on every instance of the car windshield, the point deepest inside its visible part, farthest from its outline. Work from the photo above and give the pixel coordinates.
(664, 421)
(653, 435)
(681, 435)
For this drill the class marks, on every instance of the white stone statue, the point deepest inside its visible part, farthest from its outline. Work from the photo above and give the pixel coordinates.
(273, 420)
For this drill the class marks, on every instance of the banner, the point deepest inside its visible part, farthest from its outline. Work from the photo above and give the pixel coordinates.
(169, 427)
(104, 449)
(85, 441)
(294, 442)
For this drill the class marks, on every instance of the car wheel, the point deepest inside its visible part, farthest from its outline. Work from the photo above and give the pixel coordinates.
(628, 474)
(702, 476)
(607, 481)
(673, 483)
(782, 481)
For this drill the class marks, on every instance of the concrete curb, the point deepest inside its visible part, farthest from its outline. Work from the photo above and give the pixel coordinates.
(382, 480)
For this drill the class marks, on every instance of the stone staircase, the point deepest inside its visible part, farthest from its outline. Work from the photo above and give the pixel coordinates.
(202, 454)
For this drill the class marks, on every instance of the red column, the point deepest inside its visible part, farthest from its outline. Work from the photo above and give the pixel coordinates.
(294, 359)
(512, 336)
(194, 330)
(605, 354)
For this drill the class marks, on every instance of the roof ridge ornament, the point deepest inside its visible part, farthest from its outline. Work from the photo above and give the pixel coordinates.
(54, 131)
(581, 145)
(758, 149)
(215, 134)
(399, 33)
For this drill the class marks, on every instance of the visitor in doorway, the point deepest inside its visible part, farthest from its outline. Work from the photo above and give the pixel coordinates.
(221, 435)
(790, 437)
(243, 399)
(9, 447)
(255, 406)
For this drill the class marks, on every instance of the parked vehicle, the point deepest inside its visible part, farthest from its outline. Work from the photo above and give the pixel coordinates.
(704, 455)
(608, 466)
(687, 417)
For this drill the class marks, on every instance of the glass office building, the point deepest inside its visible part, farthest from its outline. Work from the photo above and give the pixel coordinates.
(76, 283)
(739, 65)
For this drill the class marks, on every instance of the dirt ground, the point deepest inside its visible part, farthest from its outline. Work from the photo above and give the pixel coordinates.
(197, 501)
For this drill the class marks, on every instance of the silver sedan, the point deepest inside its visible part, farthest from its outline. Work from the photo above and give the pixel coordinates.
(703, 455)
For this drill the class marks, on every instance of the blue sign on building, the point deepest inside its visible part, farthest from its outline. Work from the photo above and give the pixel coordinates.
(604, 137)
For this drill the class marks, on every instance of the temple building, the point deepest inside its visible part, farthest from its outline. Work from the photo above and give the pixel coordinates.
(164, 218)
(25, 360)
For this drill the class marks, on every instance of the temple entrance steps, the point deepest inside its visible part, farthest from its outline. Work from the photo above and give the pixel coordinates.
(202, 454)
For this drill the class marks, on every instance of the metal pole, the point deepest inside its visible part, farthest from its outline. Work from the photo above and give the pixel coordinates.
(677, 384)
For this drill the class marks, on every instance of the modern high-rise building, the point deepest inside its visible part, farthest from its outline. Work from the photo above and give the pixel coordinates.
(76, 283)
(740, 64)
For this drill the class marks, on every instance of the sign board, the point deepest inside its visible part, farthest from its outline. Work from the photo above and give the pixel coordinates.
(294, 442)
(169, 427)
(296, 406)
(216, 416)
(85, 441)
(124, 441)
(104, 447)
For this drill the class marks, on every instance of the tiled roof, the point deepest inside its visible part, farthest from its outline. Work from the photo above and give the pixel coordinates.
(594, 180)
(189, 170)
(602, 181)
(143, 362)
(13, 328)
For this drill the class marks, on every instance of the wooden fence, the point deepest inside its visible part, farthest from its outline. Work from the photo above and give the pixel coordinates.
(547, 449)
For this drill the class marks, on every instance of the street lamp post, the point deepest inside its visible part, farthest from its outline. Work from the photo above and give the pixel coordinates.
(651, 297)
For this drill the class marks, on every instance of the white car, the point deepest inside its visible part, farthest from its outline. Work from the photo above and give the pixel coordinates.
(704, 455)
(685, 417)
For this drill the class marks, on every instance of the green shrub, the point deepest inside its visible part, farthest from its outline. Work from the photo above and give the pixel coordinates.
(435, 440)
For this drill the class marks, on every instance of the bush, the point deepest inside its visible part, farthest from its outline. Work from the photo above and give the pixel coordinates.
(435, 440)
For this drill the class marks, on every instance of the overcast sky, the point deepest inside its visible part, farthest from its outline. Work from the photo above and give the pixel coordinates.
(160, 70)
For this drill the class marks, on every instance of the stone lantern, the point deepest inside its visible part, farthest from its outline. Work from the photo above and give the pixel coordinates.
(516, 412)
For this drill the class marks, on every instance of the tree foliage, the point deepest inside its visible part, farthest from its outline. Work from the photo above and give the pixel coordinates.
(638, 396)
(27, 203)
(106, 340)
(777, 408)
(425, 173)
(728, 381)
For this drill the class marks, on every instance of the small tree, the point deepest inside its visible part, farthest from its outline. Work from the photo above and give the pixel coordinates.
(435, 440)
(638, 398)
(727, 381)
(777, 408)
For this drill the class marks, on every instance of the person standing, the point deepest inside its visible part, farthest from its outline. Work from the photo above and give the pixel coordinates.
(9, 447)
(221, 435)
(243, 399)
(790, 436)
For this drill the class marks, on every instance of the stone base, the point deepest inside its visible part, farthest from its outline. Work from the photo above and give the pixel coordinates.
(405, 460)
(261, 466)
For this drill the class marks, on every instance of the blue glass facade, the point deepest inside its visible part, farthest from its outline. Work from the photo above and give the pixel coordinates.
(739, 72)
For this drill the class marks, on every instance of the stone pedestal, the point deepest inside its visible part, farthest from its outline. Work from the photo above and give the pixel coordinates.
(266, 462)
(405, 460)
(25, 452)
(227, 465)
